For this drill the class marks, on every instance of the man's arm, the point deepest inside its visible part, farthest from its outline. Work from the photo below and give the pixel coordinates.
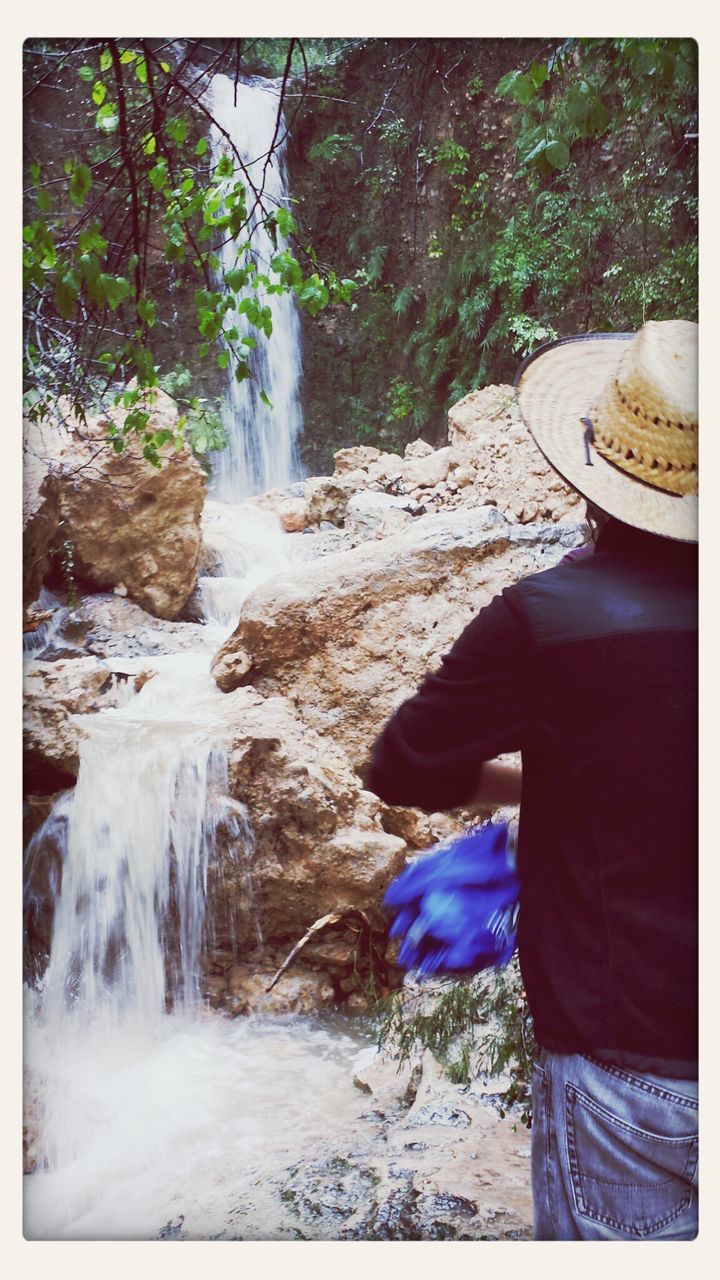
(476, 706)
(498, 785)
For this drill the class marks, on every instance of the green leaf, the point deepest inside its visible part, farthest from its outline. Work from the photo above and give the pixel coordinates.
(149, 144)
(224, 167)
(178, 130)
(166, 67)
(558, 153)
(43, 201)
(201, 147)
(236, 278)
(265, 399)
(87, 74)
(519, 85)
(107, 118)
(223, 359)
(105, 60)
(127, 56)
(141, 71)
(159, 175)
(66, 294)
(241, 372)
(523, 90)
(99, 93)
(90, 241)
(79, 185)
(539, 74)
(147, 311)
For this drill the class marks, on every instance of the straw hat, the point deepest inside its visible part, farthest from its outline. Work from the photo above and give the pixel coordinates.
(617, 416)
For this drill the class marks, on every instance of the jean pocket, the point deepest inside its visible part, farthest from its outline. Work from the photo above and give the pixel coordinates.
(627, 1178)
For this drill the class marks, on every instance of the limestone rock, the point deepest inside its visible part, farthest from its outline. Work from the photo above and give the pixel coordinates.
(113, 627)
(357, 458)
(134, 527)
(298, 991)
(476, 415)
(374, 509)
(53, 693)
(426, 471)
(316, 843)
(294, 515)
(418, 449)
(355, 634)
(327, 498)
(495, 460)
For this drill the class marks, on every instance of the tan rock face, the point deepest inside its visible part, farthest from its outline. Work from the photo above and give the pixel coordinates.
(132, 527)
(495, 460)
(355, 633)
(317, 842)
(53, 692)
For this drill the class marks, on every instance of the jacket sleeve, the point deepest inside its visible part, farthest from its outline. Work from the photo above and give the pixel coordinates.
(473, 708)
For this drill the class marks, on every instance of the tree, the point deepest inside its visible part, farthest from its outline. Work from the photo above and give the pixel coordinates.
(135, 207)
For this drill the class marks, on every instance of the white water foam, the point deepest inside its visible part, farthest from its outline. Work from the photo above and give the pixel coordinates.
(147, 1105)
(262, 451)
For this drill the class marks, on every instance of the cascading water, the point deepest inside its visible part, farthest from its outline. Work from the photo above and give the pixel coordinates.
(262, 438)
(148, 1109)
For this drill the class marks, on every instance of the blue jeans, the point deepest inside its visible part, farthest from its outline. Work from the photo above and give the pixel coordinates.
(614, 1153)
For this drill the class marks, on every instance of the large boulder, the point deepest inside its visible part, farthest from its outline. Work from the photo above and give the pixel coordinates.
(133, 527)
(304, 840)
(352, 636)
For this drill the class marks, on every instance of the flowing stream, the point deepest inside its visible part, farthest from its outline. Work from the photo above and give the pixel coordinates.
(153, 1114)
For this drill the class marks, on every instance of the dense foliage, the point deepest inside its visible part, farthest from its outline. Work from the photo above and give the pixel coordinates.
(135, 211)
(482, 213)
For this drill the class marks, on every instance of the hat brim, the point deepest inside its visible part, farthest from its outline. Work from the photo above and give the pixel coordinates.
(557, 387)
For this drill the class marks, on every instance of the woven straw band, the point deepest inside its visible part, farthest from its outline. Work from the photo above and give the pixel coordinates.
(645, 420)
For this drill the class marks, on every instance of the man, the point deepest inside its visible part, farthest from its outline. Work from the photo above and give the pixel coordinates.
(589, 669)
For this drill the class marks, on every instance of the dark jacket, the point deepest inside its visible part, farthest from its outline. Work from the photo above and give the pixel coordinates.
(590, 670)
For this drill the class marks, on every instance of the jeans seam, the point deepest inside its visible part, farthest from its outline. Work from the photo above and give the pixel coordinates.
(617, 1123)
(550, 1164)
(582, 1206)
(645, 1085)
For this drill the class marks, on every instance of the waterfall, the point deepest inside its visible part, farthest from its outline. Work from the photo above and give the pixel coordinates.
(262, 439)
(147, 1110)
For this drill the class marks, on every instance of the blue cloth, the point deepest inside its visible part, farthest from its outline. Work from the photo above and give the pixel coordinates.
(457, 908)
(614, 1152)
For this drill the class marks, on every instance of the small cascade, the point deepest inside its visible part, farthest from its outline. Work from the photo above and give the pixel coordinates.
(125, 856)
(262, 450)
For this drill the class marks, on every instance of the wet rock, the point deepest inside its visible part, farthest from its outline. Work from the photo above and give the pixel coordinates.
(132, 526)
(53, 693)
(113, 627)
(301, 992)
